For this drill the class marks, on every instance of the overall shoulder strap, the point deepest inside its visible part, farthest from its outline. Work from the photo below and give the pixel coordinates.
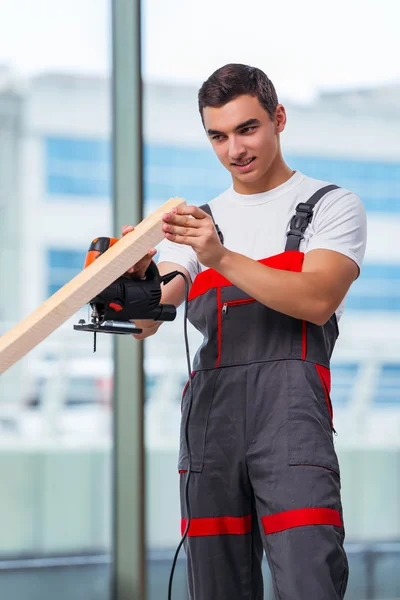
(303, 216)
(207, 209)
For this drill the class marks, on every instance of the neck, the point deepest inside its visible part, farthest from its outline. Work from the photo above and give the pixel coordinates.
(277, 174)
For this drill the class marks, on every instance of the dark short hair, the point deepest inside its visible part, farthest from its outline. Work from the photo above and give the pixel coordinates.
(233, 80)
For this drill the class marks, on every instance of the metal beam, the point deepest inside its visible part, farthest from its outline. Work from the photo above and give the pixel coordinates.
(129, 499)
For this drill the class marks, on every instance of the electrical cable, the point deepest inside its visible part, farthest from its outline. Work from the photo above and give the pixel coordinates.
(166, 279)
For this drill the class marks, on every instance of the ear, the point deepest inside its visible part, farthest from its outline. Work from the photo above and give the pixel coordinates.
(280, 118)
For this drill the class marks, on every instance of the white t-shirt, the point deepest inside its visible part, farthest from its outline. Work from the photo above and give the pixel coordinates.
(255, 225)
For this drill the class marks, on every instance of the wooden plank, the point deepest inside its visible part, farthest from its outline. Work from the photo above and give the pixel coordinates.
(81, 289)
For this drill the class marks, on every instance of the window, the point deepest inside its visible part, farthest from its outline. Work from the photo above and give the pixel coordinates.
(377, 288)
(376, 182)
(77, 167)
(388, 388)
(62, 266)
(343, 378)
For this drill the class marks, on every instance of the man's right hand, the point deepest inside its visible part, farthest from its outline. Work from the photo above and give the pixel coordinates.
(172, 293)
(148, 328)
(139, 269)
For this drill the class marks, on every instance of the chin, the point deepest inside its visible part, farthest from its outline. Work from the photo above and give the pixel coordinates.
(251, 177)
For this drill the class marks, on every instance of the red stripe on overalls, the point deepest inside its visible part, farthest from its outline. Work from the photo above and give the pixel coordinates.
(325, 377)
(217, 526)
(219, 317)
(291, 260)
(304, 340)
(300, 517)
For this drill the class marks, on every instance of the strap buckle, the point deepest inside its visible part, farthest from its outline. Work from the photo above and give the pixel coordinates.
(300, 220)
(303, 207)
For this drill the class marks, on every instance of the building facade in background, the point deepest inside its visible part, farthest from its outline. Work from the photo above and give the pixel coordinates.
(55, 197)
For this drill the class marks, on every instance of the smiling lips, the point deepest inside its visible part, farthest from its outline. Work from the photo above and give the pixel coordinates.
(244, 165)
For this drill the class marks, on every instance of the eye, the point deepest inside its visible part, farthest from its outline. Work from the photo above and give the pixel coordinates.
(248, 130)
(217, 138)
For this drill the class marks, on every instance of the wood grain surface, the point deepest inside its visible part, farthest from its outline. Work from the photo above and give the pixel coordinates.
(81, 289)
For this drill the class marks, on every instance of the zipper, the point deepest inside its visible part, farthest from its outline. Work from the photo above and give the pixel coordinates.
(235, 303)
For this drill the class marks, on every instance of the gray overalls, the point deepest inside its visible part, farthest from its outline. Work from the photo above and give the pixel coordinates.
(264, 468)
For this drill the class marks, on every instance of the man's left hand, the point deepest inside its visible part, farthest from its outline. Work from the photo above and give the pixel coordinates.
(193, 227)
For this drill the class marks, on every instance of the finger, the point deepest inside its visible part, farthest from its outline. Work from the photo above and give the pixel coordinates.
(183, 220)
(143, 262)
(139, 336)
(126, 229)
(194, 211)
(141, 267)
(147, 332)
(180, 239)
(141, 271)
(146, 260)
(149, 254)
(183, 231)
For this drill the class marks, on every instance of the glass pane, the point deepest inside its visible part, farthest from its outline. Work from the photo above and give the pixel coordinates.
(56, 403)
(337, 76)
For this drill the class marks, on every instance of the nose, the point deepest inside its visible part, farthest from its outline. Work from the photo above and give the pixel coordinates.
(236, 149)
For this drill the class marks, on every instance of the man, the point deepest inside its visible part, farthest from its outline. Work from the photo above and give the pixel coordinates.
(269, 274)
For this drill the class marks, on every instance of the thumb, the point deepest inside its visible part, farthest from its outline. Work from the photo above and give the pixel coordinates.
(126, 229)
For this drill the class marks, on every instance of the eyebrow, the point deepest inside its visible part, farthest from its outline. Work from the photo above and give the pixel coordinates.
(247, 123)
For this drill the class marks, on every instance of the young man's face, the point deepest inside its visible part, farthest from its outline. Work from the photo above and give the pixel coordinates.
(246, 140)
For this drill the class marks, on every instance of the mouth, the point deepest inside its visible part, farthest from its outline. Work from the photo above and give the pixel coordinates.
(244, 165)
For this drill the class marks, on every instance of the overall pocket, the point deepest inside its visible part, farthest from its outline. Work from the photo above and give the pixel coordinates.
(310, 432)
(240, 329)
(203, 385)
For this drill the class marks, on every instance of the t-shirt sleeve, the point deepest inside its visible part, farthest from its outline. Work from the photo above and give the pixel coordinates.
(340, 224)
(181, 255)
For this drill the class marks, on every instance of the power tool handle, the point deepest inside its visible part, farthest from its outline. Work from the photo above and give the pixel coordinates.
(97, 247)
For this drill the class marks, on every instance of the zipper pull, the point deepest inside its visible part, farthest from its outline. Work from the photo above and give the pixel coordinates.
(224, 309)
